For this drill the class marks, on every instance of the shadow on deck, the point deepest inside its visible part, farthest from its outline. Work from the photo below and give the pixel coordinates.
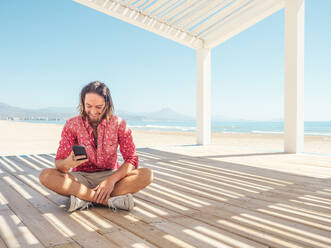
(238, 200)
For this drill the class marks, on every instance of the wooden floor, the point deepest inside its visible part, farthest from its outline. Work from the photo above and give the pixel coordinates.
(199, 198)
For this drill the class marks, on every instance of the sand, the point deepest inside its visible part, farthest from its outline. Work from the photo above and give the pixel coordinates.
(18, 138)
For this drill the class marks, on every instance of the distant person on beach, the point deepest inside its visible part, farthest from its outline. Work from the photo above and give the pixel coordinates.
(97, 176)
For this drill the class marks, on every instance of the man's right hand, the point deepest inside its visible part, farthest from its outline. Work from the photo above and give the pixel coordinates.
(73, 161)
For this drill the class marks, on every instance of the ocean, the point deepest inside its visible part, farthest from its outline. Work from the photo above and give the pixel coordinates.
(310, 128)
(277, 127)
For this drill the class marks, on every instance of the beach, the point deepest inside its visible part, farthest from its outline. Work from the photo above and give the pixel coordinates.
(19, 138)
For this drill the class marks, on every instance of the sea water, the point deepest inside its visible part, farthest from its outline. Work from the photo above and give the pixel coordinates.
(276, 127)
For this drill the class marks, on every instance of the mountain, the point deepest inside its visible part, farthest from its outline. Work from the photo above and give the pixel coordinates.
(56, 113)
(10, 112)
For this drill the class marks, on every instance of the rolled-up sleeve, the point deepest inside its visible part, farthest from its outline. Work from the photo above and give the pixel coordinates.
(127, 147)
(66, 142)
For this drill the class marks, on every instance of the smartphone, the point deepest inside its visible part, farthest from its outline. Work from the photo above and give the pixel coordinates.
(79, 151)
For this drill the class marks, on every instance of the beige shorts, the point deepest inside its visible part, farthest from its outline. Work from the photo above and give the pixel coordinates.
(91, 179)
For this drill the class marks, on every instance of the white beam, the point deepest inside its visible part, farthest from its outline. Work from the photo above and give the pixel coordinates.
(294, 76)
(120, 10)
(203, 97)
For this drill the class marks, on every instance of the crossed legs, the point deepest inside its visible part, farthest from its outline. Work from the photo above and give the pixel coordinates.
(65, 184)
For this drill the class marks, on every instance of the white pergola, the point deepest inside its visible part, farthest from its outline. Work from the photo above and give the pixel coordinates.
(204, 24)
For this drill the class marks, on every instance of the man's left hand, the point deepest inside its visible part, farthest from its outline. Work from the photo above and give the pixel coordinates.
(103, 191)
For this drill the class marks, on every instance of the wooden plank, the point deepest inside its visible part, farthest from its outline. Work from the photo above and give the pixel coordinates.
(2, 244)
(117, 235)
(210, 235)
(243, 230)
(39, 161)
(30, 177)
(164, 201)
(68, 245)
(150, 212)
(48, 157)
(278, 227)
(124, 238)
(188, 236)
(31, 217)
(145, 231)
(63, 222)
(14, 233)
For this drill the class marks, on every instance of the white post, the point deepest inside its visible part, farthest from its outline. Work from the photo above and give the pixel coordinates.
(294, 76)
(203, 97)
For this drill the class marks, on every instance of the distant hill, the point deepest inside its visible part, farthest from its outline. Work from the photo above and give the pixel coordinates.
(10, 112)
(56, 113)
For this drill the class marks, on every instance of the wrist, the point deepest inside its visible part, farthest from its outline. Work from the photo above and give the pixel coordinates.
(68, 163)
(111, 180)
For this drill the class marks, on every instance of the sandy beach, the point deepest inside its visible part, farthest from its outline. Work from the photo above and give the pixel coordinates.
(18, 138)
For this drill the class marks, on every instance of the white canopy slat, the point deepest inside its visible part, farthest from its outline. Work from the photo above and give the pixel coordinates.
(194, 17)
(154, 6)
(251, 6)
(182, 8)
(227, 10)
(139, 3)
(129, 2)
(163, 7)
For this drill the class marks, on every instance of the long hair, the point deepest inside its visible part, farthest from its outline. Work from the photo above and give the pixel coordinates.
(102, 90)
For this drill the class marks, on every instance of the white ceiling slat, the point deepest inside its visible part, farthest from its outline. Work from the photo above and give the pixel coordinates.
(139, 3)
(181, 17)
(233, 6)
(183, 9)
(167, 5)
(129, 2)
(155, 5)
(194, 18)
(240, 13)
(173, 8)
(149, 23)
(105, 3)
(237, 25)
(231, 15)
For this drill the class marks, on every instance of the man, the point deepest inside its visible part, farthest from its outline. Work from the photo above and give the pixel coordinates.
(98, 178)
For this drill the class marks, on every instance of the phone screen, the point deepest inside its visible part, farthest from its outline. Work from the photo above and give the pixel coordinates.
(79, 151)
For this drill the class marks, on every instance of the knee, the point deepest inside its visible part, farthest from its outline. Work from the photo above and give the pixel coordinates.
(147, 175)
(45, 175)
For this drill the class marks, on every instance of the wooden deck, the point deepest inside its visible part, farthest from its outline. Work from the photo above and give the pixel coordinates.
(199, 198)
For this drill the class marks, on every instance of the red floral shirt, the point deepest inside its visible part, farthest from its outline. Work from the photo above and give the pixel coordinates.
(111, 134)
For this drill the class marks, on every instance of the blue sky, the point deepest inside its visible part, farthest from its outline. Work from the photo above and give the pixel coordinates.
(50, 49)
